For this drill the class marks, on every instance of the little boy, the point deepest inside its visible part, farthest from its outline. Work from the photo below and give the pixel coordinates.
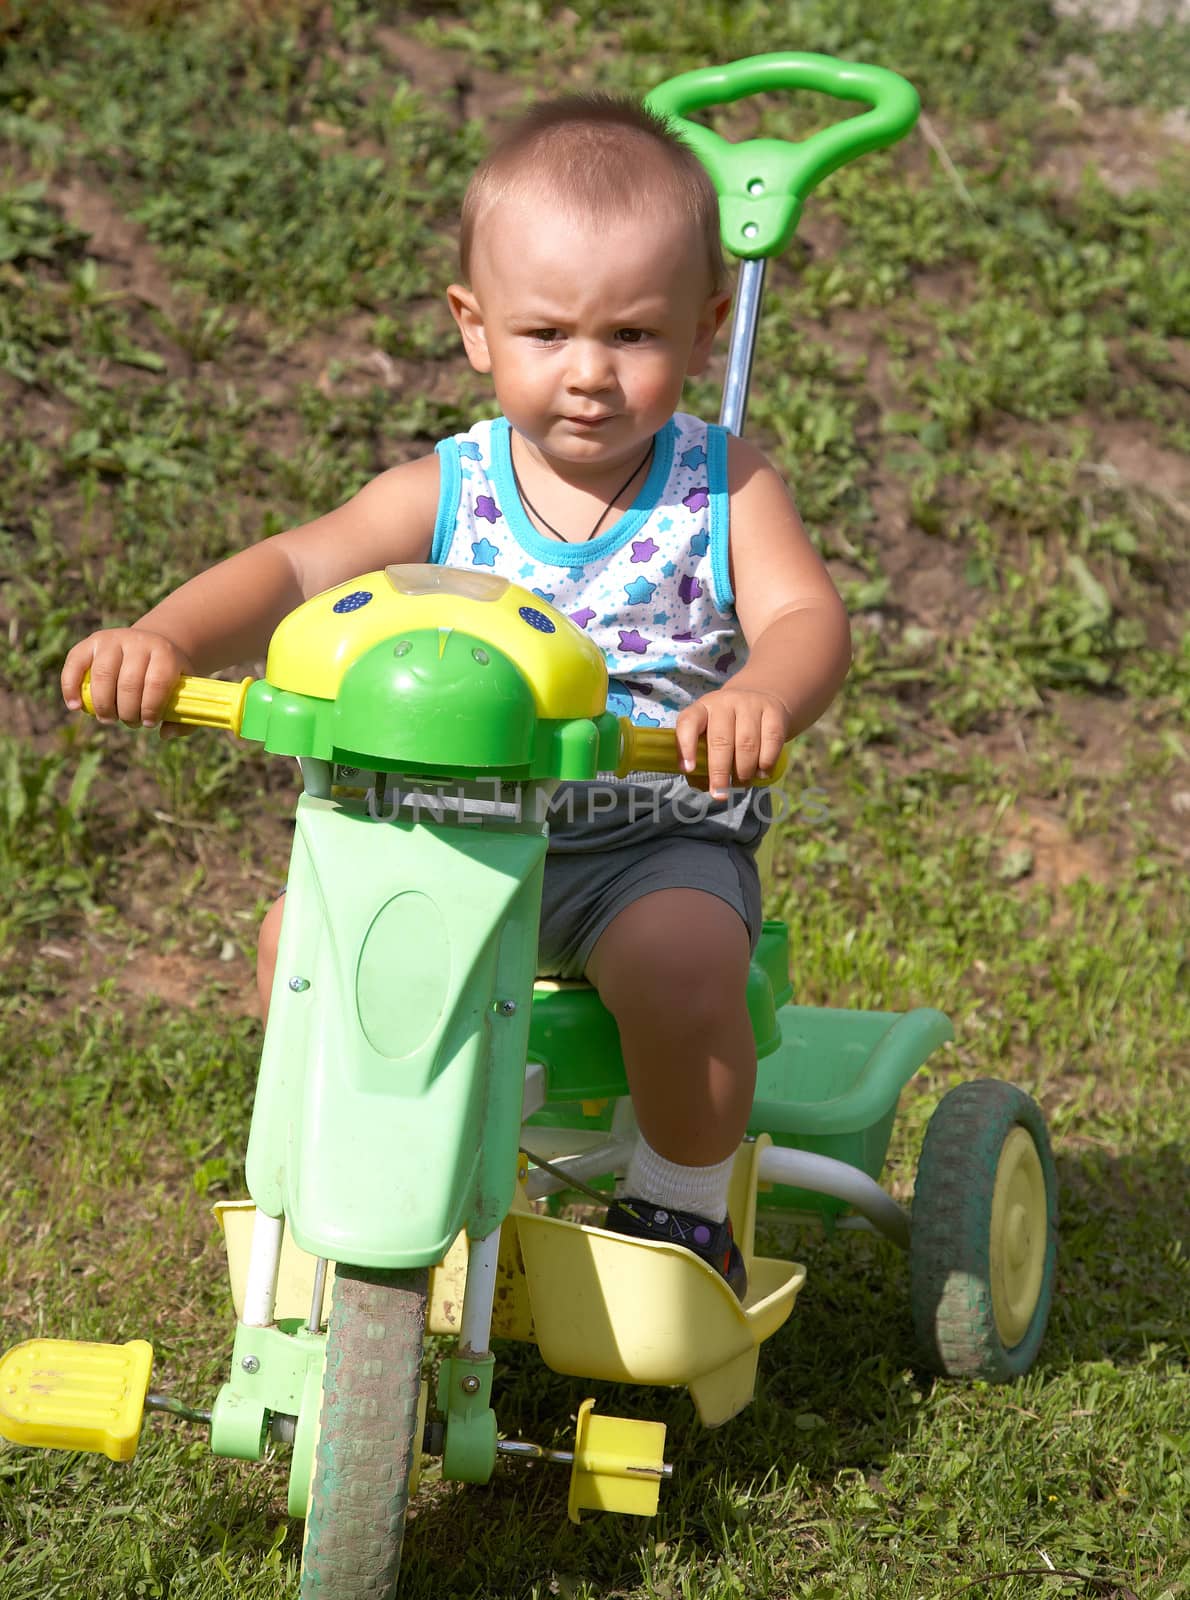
(591, 285)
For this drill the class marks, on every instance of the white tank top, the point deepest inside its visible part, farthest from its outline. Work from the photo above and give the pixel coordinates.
(653, 590)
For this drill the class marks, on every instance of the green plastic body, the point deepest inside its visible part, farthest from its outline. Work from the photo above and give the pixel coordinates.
(389, 1097)
(763, 183)
(272, 1370)
(469, 1446)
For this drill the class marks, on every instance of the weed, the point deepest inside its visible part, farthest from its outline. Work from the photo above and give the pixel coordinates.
(50, 865)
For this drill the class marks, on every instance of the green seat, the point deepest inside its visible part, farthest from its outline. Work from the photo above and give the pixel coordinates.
(828, 1080)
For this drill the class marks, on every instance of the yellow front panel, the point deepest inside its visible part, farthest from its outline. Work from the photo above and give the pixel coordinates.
(313, 646)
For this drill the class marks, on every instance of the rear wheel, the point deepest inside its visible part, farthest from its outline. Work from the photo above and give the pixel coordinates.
(368, 1435)
(983, 1244)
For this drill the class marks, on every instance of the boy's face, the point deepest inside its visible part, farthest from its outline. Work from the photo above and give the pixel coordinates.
(588, 330)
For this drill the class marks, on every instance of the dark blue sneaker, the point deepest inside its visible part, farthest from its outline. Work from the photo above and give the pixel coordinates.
(711, 1242)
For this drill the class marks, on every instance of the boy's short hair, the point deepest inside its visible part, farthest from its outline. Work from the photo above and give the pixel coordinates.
(595, 152)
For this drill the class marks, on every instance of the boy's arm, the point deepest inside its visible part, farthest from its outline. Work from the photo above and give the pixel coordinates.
(228, 613)
(799, 639)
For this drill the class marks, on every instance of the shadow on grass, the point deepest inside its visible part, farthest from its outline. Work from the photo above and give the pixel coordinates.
(835, 1391)
(839, 1391)
(1123, 1275)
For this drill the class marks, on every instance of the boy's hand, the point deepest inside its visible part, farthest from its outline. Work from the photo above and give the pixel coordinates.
(133, 673)
(745, 730)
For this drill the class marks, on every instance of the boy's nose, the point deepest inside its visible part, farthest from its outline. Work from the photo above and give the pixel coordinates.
(590, 365)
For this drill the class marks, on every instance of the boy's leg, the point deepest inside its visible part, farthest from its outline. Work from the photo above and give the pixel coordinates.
(672, 968)
(266, 953)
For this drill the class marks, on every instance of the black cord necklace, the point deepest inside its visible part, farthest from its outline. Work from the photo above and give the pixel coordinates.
(530, 507)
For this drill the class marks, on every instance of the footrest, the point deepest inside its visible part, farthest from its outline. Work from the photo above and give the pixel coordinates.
(618, 1465)
(63, 1394)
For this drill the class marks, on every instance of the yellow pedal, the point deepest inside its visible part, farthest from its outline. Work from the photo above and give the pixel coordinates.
(63, 1394)
(618, 1465)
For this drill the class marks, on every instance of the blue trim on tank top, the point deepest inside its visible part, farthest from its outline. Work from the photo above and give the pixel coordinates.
(552, 551)
(717, 489)
(450, 489)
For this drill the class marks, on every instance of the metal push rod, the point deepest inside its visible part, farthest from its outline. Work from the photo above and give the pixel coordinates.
(744, 324)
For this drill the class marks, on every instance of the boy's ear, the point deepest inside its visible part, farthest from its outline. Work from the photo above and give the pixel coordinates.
(465, 309)
(710, 321)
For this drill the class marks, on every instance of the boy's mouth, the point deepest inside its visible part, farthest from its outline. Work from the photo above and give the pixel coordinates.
(590, 422)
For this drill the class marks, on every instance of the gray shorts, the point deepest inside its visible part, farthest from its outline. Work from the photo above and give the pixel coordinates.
(656, 833)
(585, 891)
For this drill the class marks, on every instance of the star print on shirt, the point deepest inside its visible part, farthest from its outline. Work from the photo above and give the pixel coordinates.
(661, 573)
(541, 593)
(639, 590)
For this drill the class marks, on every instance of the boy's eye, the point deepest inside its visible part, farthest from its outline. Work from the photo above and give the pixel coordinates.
(544, 335)
(631, 335)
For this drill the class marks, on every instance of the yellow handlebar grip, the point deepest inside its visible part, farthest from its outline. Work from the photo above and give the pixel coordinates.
(652, 750)
(198, 702)
(208, 703)
(656, 750)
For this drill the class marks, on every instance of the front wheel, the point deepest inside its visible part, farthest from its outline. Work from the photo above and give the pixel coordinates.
(983, 1243)
(368, 1435)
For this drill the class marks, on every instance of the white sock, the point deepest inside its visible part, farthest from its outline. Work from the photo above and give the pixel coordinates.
(702, 1190)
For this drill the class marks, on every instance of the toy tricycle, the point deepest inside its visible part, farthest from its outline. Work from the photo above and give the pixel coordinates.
(410, 1137)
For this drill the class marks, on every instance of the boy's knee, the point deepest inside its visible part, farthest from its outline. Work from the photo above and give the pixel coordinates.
(695, 966)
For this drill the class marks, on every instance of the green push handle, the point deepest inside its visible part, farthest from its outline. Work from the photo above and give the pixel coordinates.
(763, 183)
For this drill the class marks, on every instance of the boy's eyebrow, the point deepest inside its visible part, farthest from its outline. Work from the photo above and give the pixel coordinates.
(544, 314)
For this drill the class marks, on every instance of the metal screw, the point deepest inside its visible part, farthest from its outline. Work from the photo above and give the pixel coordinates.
(251, 1363)
(470, 1384)
(506, 1007)
(299, 985)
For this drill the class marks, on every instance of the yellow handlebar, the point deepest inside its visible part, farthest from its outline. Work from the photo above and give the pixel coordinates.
(656, 750)
(215, 703)
(199, 702)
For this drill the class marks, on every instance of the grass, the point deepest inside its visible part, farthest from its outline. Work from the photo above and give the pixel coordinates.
(223, 235)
